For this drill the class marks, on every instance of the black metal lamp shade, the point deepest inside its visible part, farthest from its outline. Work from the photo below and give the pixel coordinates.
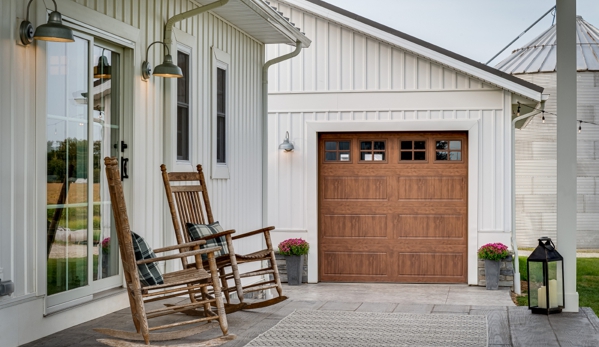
(54, 30)
(168, 68)
(545, 268)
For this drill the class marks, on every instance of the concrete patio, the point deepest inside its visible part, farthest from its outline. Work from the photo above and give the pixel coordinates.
(508, 324)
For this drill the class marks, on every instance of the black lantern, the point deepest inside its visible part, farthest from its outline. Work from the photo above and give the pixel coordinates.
(545, 279)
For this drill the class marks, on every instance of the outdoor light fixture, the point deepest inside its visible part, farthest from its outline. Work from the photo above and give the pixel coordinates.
(545, 278)
(103, 70)
(166, 69)
(286, 145)
(54, 30)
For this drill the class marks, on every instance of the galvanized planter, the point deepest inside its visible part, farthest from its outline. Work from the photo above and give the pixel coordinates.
(295, 267)
(492, 274)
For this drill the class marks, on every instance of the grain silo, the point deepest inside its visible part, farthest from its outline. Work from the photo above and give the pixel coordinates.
(536, 149)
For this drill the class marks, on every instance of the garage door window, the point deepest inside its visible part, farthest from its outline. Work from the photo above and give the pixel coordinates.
(412, 150)
(372, 151)
(449, 150)
(337, 151)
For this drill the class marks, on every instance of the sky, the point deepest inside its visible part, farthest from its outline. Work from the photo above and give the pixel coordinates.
(477, 29)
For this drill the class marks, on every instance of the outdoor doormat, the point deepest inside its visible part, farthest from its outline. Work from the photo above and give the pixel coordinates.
(343, 328)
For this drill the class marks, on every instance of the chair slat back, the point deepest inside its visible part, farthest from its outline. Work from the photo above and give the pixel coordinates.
(123, 231)
(188, 200)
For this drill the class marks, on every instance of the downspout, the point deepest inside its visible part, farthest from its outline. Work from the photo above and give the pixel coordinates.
(298, 49)
(517, 288)
(168, 28)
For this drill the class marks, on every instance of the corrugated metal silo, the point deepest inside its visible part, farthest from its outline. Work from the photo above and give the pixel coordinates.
(536, 149)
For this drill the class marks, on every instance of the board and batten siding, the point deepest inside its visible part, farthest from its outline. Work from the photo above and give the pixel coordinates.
(536, 165)
(347, 77)
(236, 202)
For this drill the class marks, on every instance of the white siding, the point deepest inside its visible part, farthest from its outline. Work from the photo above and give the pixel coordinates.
(536, 155)
(236, 202)
(343, 59)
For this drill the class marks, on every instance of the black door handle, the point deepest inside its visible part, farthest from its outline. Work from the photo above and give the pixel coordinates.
(124, 162)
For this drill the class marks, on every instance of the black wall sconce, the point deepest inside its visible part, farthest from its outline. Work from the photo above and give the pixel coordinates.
(166, 69)
(54, 30)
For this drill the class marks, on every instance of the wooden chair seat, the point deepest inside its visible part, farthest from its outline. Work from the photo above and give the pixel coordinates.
(194, 282)
(188, 201)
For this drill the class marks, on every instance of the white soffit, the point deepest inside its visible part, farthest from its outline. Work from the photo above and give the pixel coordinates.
(420, 47)
(261, 21)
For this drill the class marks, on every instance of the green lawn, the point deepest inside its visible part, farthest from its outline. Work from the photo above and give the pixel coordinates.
(587, 282)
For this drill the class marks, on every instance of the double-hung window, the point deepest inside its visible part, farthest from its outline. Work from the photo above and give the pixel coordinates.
(220, 112)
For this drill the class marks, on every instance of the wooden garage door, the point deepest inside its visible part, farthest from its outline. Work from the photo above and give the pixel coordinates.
(393, 207)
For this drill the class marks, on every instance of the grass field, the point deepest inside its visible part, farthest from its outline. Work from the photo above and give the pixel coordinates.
(587, 282)
(62, 277)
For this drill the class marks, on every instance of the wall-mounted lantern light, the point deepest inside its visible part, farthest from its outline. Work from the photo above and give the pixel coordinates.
(286, 145)
(103, 69)
(54, 30)
(166, 69)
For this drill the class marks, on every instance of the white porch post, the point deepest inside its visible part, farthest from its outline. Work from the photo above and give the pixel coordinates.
(566, 146)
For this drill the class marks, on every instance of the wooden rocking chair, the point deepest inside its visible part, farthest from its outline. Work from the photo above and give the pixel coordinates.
(191, 281)
(189, 203)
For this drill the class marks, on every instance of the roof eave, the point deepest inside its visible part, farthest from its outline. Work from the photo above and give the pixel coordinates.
(272, 17)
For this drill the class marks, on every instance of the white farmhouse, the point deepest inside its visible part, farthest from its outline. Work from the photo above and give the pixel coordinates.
(402, 161)
(66, 106)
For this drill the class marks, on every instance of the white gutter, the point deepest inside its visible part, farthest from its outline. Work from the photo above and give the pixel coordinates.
(168, 27)
(517, 288)
(298, 49)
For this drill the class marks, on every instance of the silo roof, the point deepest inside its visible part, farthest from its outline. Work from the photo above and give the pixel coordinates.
(539, 55)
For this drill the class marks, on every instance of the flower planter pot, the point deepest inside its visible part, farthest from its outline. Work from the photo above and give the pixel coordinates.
(492, 274)
(295, 267)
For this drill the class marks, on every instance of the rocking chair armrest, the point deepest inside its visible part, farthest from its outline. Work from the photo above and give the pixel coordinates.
(263, 230)
(222, 233)
(183, 245)
(179, 255)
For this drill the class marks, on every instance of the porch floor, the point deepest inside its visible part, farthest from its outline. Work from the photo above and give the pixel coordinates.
(508, 324)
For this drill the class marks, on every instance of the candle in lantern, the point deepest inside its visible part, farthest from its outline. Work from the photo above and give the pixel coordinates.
(552, 293)
(542, 295)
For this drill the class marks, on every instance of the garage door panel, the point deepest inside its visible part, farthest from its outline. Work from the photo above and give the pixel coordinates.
(354, 226)
(361, 263)
(429, 226)
(355, 188)
(396, 220)
(431, 188)
(430, 264)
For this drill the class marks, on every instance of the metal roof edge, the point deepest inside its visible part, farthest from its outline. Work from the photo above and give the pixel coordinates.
(534, 91)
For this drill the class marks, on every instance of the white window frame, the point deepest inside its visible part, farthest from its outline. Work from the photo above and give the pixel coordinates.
(220, 60)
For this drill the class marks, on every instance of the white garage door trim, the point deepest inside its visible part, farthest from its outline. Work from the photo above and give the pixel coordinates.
(314, 127)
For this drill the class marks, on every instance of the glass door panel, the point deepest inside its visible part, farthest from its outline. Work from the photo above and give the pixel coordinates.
(106, 135)
(83, 126)
(67, 175)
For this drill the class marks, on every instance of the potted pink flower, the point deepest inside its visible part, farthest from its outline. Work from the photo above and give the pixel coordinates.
(294, 251)
(492, 253)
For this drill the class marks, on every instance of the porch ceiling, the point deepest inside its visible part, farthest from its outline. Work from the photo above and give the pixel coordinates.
(261, 21)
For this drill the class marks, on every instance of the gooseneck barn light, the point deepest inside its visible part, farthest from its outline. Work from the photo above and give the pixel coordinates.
(54, 30)
(286, 145)
(166, 69)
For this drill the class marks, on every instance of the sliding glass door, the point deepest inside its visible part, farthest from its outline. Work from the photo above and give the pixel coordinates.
(83, 125)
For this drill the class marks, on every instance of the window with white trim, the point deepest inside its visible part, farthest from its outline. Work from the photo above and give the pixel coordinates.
(220, 112)
(183, 128)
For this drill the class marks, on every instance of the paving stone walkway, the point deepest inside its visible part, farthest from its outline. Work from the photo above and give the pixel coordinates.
(508, 324)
